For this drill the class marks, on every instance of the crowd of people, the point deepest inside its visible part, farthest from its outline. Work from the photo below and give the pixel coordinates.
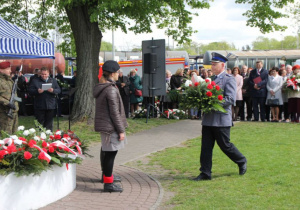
(261, 94)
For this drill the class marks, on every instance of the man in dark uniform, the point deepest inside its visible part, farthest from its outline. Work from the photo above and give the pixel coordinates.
(216, 125)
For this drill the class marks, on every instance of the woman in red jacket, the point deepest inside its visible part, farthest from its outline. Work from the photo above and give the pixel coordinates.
(110, 121)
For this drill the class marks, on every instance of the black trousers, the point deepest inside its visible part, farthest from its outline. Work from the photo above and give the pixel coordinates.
(126, 103)
(261, 102)
(248, 102)
(222, 136)
(107, 159)
(45, 117)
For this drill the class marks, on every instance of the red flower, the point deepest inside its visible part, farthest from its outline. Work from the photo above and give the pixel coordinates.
(213, 83)
(79, 143)
(20, 149)
(220, 97)
(217, 87)
(2, 154)
(66, 136)
(31, 143)
(196, 84)
(190, 85)
(209, 86)
(207, 80)
(42, 156)
(12, 148)
(209, 94)
(51, 149)
(51, 137)
(22, 139)
(57, 137)
(44, 144)
(27, 155)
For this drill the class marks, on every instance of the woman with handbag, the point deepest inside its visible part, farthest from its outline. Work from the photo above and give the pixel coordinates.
(274, 96)
(135, 91)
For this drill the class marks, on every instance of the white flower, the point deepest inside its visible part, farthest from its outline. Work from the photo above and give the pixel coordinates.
(14, 137)
(32, 130)
(21, 128)
(26, 133)
(43, 135)
(36, 138)
(58, 132)
(48, 132)
(187, 83)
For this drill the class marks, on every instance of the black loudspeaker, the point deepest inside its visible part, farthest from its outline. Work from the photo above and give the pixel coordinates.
(150, 60)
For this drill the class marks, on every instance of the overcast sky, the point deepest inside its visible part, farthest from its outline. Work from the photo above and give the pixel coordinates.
(222, 22)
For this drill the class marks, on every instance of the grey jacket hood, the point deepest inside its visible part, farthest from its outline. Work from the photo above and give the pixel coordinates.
(100, 87)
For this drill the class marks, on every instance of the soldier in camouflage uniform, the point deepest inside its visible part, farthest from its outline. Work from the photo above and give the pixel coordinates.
(6, 84)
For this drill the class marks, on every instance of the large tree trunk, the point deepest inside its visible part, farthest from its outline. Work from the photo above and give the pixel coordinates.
(87, 39)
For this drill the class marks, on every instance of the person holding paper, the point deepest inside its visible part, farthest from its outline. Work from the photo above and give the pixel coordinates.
(258, 80)
(44, 89)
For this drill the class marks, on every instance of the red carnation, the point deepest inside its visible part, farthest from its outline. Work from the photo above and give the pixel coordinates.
(209, 86)
(2, 154)
(27, 155)
(196, 84)
(207, 80)
(44, 144)
(209, 94)
(11, 148)
(66, 136)
(42, 156)
(213, 83)
(220, 97)
(22, 139)
(51, 137)
(31, 143)
(190, 85)
(57, 137)
(20, 149)
(51, 149)
(217, 87)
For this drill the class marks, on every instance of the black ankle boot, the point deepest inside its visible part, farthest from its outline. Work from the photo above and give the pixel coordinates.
(116, 178)
(111, 187)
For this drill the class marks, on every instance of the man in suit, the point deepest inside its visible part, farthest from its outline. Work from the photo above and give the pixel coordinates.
(123, 85)
(216, 125)
(258, 80)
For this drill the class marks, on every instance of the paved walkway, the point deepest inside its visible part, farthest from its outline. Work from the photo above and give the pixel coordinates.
(140, 190)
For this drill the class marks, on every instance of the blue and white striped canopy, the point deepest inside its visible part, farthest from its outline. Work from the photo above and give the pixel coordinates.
(18, 43)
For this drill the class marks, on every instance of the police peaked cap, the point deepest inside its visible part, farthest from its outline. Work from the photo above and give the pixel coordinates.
(110, 66)
(216, 57)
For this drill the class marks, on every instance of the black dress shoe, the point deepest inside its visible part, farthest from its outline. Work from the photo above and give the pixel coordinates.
(116, 179)
(111, 187)
(202, 177)
(243, 168)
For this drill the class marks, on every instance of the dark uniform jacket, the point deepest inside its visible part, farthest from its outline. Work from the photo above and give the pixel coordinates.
(45, 100)
(125, 89)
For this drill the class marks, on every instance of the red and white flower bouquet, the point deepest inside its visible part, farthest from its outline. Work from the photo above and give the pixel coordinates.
(34, 151)
(205, 95)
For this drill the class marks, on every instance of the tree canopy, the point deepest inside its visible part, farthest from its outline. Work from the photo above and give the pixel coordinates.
(263, 43)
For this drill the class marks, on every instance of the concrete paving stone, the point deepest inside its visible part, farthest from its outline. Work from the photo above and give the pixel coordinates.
(140, 191)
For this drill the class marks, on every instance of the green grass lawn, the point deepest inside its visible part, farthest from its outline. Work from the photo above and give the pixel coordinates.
(86, 131)
(271, 182)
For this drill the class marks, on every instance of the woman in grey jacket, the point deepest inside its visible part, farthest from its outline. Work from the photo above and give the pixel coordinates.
(110, 121)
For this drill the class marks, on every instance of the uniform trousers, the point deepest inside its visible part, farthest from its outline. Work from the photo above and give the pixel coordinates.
(7, 124)
(45, 117)
(210, 134)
